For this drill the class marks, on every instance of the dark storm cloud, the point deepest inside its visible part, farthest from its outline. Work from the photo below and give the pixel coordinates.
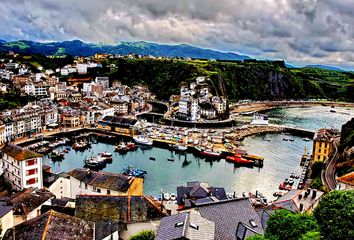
(297, 30)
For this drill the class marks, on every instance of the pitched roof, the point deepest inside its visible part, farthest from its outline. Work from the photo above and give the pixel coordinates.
(347, 179)
(218, 192)
(4, 208)
(294, 199)
(52, 225)
(113, 211)
(30, 199)
(189, 225)
(106, 180)
(19, 153)
(227, 214)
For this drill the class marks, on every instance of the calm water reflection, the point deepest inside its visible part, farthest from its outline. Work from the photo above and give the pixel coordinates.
(281, 158)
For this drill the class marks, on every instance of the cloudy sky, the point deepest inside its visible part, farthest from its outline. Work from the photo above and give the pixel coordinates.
(300, 31)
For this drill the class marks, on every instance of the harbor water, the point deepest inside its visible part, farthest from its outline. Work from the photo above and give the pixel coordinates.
(281, 158)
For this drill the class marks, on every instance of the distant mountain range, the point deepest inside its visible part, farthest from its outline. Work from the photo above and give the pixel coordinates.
(325, 67)
(79, 48)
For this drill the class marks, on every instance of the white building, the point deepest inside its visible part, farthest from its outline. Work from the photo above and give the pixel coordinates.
(190, 108)
(85, 181)
(64, 71)
(104, 81)
(61, 187)
(81, 68)
(22, 167)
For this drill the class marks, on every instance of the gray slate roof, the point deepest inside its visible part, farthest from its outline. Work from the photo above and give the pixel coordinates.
(4, 208)
(106, 180)
(227, 214)
(186, 225)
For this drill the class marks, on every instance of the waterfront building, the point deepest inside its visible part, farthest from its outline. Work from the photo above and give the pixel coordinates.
(323, 144)
(53, 225)
(196, 193)
(85, 181)
(71, 119)
(22, 167)
(6, 217)
(299, 201)
(346, 182)
(118, 124)
(32, 118)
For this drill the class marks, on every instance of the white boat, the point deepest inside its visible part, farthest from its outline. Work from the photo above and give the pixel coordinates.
(178, 147)
(260, 119)
(143, 141)
(166, 196)
(306, 139)
(173, 197)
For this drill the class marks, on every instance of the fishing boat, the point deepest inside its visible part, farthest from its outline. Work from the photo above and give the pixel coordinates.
(178, 147)
(260, 119)
(238, 159)
(82, 145)
(284, 186)
(131, 146)
(135, 172)
(252, 157)
(105, 156)
(143, 141)
(55, 156)
(210, 153)
(94, 162)
(121, 147)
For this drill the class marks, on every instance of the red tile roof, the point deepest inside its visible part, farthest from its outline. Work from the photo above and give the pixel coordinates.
(347, 179)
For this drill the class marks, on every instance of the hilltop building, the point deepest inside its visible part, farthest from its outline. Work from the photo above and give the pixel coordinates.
(196, 102)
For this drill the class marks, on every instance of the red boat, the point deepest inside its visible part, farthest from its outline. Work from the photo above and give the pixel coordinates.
(207, 153)
(131, 146)
(284, 186)
(238, 159)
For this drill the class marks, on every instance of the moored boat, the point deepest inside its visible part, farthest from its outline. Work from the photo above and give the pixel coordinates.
(135, 172)
(210, 153)
(178, 147)
(94, 162)
(238, 159)
(143, 141)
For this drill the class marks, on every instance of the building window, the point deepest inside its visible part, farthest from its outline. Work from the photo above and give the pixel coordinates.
(108, 192)
(98, 190)
(31, 172)
(32, 181)
(85, 185)
(31, 162)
